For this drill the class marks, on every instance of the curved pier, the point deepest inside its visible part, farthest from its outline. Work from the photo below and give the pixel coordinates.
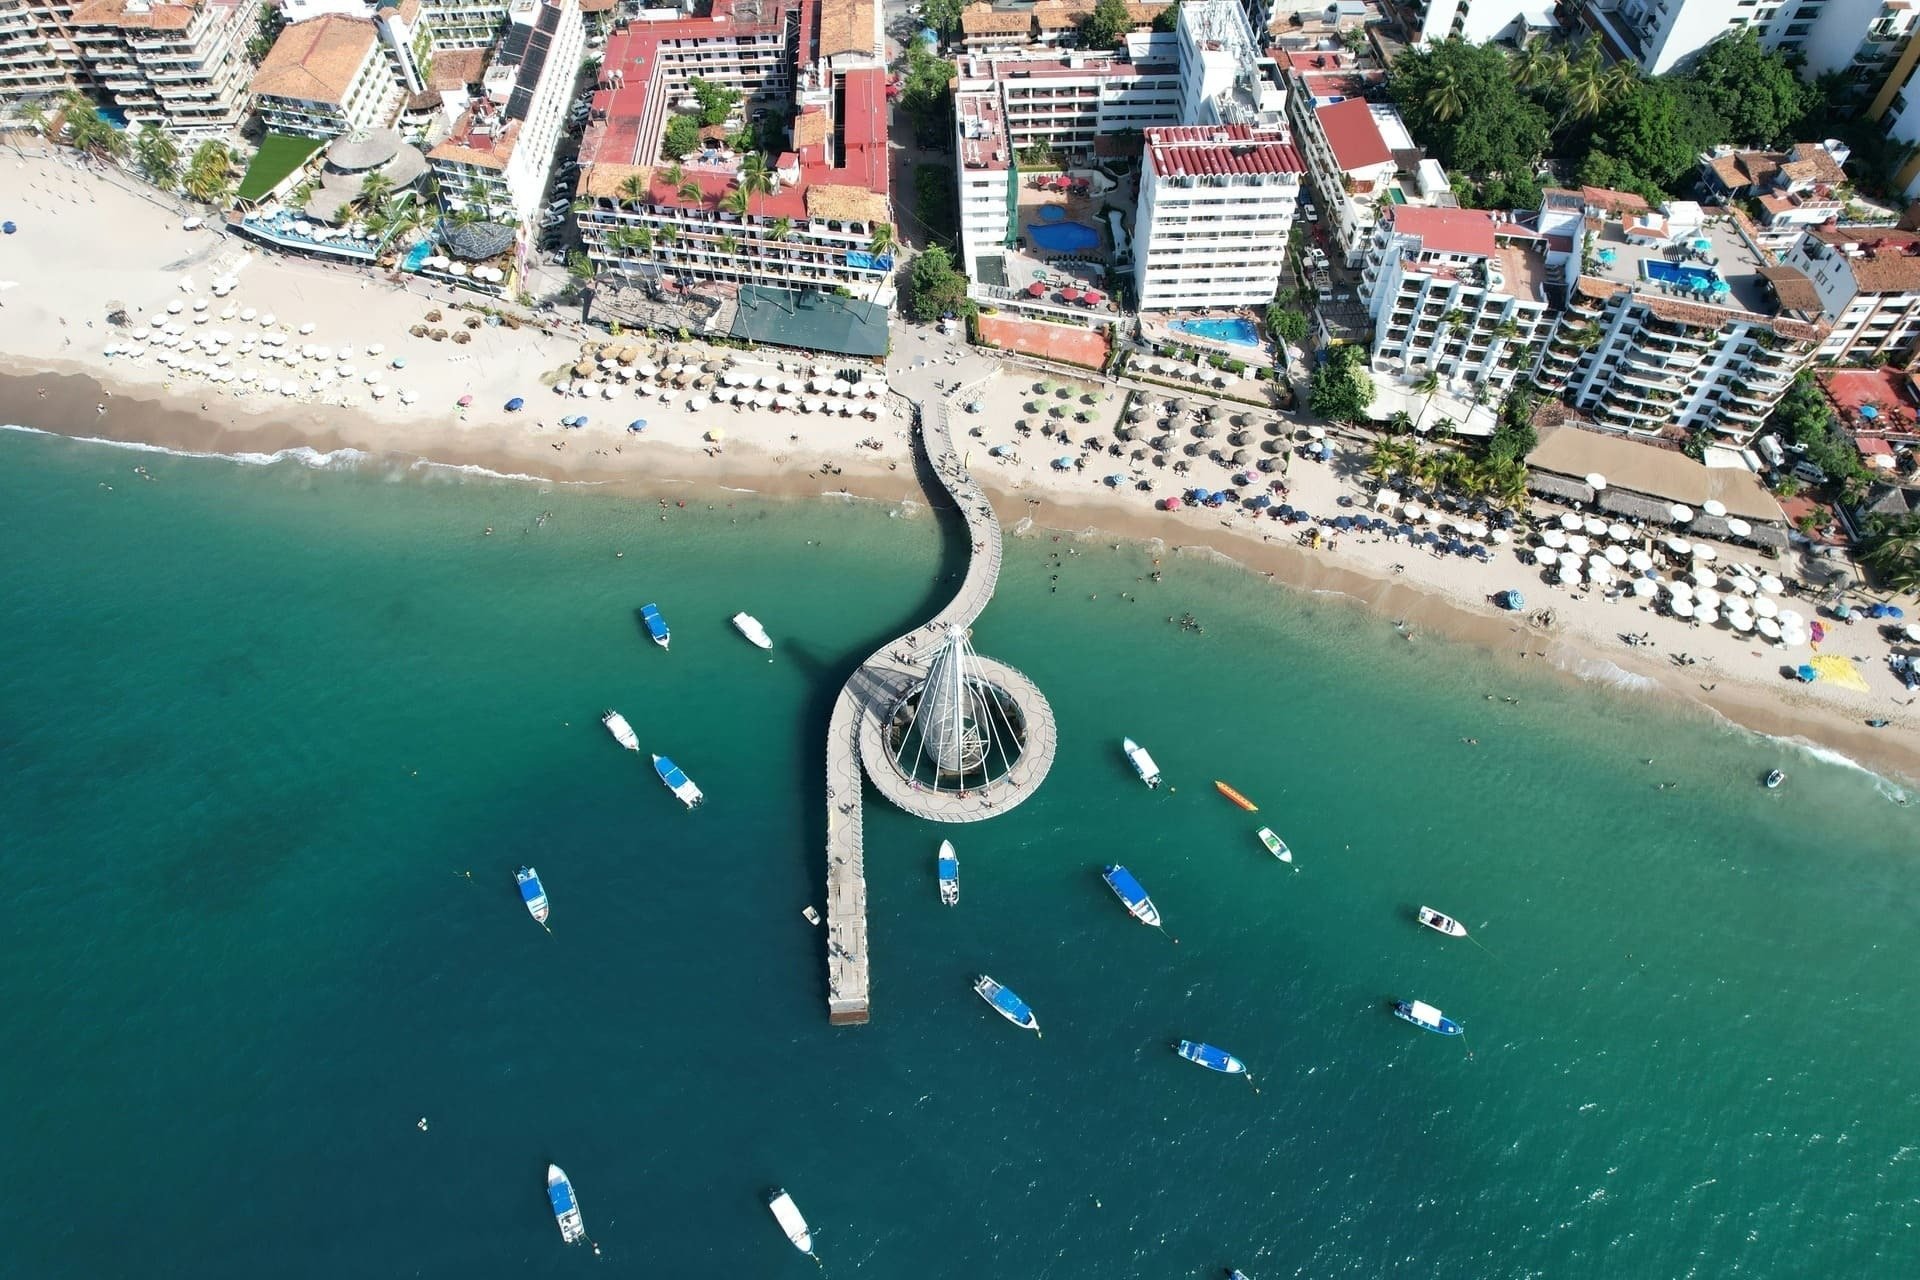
(855, 732)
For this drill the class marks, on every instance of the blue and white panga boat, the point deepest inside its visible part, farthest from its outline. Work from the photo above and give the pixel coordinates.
(656, 625)
(1425, 1016)
(1130, 892)
(1211, 1058)
(948, 864)
(1006, 1004)
(566, 1210)
(677, 782)
(532, 893)
(1142, 762)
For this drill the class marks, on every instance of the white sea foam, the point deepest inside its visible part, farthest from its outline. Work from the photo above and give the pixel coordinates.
(302, 454)
(1600, 671)
(488, 473)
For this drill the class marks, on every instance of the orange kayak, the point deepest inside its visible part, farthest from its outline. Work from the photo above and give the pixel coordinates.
(1235, 796)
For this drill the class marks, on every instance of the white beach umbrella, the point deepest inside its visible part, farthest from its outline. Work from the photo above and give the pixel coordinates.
(1644, 587)
(1764, 607)
(141, 334)
(1706, 599)
(1616, 556)
(1738, 528)
(268, 320)
(348, 371)
(201, 317)
(879, 386)
(624, 373)
(1568, 575)
(1679, 546)
(1704, 554)
(371, 377)
(289, 388)
(1597, 562)
(1740, 584)
(1681, 608)
(1412, 512)
(1741, 622)
(789, 385)
(374, 348)
(1767, 627)
(846, 408)
(247, 314)
(1678, 589)
(223, 360)
(271, 386)
(1594, 528)
(307, 327)
(346, 353)
(1601, 576)
(248, 375)
(319, 386)
(221, 336)
(1791, 620)
(1714, 507)
(199, 304)
(322, 354)
(763, 399)
(1700, 578)
(1570, 521)
(1911, 631)
(609, 391)
(1620, 532)
(1771, 585)
(378, 392)
(1554, 538)
(870, 409)
(1680, 512)
(1385, 499)
(1639, 560)
(1579, 544)
(1547, 556)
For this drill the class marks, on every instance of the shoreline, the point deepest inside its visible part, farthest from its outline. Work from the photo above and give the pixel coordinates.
(140, 417)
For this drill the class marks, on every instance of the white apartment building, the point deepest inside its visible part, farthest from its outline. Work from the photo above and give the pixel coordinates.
(502, 146)
(1216, 205)
(1478, 21)
(38, 54)
(1868, 283)
(1857, 38)
(181, 67)
(325, 77)
(1459, 293)
(1363, 161)
(824, 218)
(1661, 336)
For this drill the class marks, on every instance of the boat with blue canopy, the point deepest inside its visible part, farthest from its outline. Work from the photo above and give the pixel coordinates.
(1006, 1004)
(1132, 894)
(1211, 1057)
(948, 865)
(656, 625)
(566, 1210)
(1426, 1017)
(532, 893)
(678, 782)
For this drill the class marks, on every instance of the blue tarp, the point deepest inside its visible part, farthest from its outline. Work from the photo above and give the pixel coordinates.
(1130, 890)
(1807, 674)
(516, 404)
(670, 773)
(656, 625)
(561, 1195)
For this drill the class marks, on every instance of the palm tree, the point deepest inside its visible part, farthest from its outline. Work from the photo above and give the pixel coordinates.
(882, 241)
(375, 188)
(1381, 465)
(673, 175)
(755, 177)
(1538, 66)
(1621, 79)
(690, 192)
(1897, 557)
(158, 157)
(209, 173)
(729, 246)
(633, 190)
(1446, 99)
(1399, 422)
(737, 202)
(780, 229)
(1586, 85)
(640, 240)
(668, 237)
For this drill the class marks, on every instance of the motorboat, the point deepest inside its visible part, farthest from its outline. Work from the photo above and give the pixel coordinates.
(787, 1214)
(749, 626)
(1426, 1017)
(678, 782)
(1235, 796)
(1275, 845)
(1131, 894)
(532, 893)
(1211, 1058)
(1142, 762)
(622, 731)
(1006, 1004)
(1440, 922)
(948, 865)
(1775, 778)
(656, 625)
(566, 1209)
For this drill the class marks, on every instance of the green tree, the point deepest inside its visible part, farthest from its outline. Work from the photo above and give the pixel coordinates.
(690, 192)
(633, 190)
(580, 266)
(936, 200)
(1288, 326)
(1539, 66)
(375, 189)
(1107, 25)
(716, 100)
(943, 15)
(934, 288)
(755, 177)
(209, 174)
(1342, 388)
(1895, 552)
(1584, 87)
(780, 229)
(1167, 21)
(926, 96)
(881, 241)
(272, 22)
(1656, 133)
(1496, 130)
(1756, 93)
(737, 202)
(682, 137)
(158, 157)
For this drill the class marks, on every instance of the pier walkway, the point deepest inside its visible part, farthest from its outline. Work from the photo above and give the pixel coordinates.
(855, 734)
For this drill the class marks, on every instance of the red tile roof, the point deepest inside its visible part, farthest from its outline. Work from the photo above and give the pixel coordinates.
(1181, 151)
(1463, 231)
(1353, 135)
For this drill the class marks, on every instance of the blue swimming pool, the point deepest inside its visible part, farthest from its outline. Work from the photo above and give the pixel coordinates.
(1063, 237)
(1681, 273)
(1236, 330)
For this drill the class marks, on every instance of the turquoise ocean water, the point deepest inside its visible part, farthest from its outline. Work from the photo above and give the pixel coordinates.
(255, 723)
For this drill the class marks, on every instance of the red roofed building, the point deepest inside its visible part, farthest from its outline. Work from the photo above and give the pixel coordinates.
(1868, 283)
(1216, 204)
(1357, 153)
(816, 215)
(1460, 293)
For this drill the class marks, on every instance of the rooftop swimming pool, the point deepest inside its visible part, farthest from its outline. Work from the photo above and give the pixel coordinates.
(1236, 330)
(1063, 237)
(1684, 274)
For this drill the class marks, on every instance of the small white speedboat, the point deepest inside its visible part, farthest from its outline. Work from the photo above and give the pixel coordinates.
(1775, 778)
(1441, 922)
(1142, 762)
(749, 626)
(622, 731)
(787, 1214)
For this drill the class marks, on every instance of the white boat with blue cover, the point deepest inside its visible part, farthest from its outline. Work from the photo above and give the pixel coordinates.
(1426, 1017)
(787, 1214)
(566, 1209)
(622, 731)
(1006, 1004)
(678, 782)
(1210, 1057)
(948, 865)
(656, 625)
(532, 893)
(1132, 894)
(1142, 762)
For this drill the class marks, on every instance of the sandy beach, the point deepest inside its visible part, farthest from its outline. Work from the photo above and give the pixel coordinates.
(87, 247)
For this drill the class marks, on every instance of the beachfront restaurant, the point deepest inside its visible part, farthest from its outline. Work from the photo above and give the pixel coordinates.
(297, 197)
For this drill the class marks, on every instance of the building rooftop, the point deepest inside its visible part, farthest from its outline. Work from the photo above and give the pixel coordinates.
(1802, 163)
(1882, 259)
(982, 19)
(131, 15)
(455, 69)
(316, 60)
(481, 137)
(1353, 134)
(1457, 231)
(846, 26)
(1183, 151)
(1660, 255)
(1666, 474)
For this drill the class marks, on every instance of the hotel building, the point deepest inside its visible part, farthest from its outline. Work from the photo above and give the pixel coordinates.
(1675, 321)
(39, 56)
(327, 76)
(181, 67)
(822, 221)
(1867, 280)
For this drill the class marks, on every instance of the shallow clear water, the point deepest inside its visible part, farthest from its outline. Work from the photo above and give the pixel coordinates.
(257, 721)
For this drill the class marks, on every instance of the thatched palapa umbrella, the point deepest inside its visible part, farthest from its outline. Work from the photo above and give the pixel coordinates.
(1122, 431)
(1238, 438)
(1206, 431)
(1274, 427)
(1240, 458)
(1215, 413)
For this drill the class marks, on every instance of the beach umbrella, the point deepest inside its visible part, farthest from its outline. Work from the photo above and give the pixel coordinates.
(1578, 544)
(1569, 574)
(1547, 556)
(268, 320)
(1713, 507)
(1764, 607)
(1681, 608)
(1596, 481)
(1643, 587)
(609, 391)
(1767, 627)
(1678, 589)
(1773, 586)
(1679, 546)
(1594, 528)
(1741, 622)
(1570, 521)
(1792, 620)
(1911, 631)
(1412, 512)
(1700, 578)
(1706, 600)
(1616, 556)
(1738, 528)
(1740, 584)
(1639, 560)
(1620, 532)
(372, 376)
(1704, 554)
(1554, 538)
(1597, 562)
